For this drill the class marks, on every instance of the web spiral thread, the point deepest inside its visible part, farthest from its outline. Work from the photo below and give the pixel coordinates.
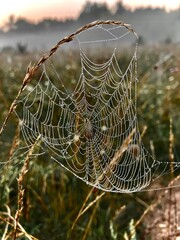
(93, 130)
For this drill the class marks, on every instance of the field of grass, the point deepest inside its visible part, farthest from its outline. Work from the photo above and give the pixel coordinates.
(48, 199)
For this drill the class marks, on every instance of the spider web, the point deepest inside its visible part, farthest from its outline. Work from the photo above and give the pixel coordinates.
(92, 131)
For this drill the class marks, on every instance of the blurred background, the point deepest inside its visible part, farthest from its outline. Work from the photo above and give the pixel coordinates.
(38, 25)
(53, 197)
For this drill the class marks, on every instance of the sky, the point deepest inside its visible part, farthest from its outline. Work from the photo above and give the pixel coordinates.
(37, 9)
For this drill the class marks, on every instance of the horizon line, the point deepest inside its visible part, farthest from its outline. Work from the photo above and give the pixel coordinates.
(63, 19)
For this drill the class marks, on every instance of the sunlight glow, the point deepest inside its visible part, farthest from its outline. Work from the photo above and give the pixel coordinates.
(12, 7)
(168, 5)
(36, 10)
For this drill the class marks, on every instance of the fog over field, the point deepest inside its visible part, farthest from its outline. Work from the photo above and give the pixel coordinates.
(152, 25)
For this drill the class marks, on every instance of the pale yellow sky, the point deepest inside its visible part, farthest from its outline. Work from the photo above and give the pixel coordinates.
(37, 9)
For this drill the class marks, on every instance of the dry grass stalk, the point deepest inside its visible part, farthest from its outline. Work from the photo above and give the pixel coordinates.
(82, 207)
(92, 203)
(90, 220)
(10, 220)
(22, 174)
(15, 142)
(172, 199)
(117, 156)
(143, 131)
(123, 148)
(171, 143)
(7, 224)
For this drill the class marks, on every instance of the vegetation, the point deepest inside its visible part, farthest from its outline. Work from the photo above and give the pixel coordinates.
(46, 200)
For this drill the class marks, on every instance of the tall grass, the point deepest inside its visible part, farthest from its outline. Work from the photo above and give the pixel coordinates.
(41, 200)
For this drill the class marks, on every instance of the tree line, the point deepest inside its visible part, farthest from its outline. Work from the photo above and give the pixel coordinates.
(90, 12)
(151, 23)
